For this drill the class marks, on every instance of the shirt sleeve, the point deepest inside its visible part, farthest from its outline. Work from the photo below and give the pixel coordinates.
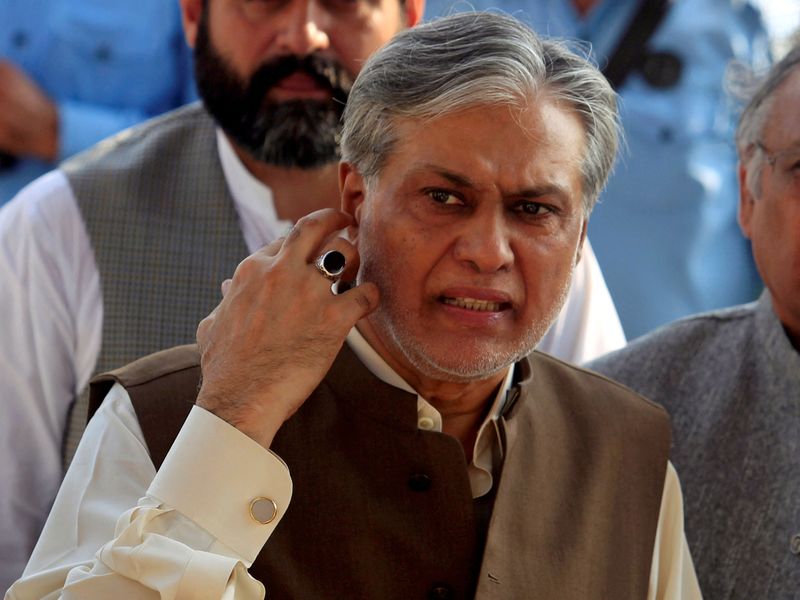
(50, 306)
(672, 575)
(120, 530)
(588, 325)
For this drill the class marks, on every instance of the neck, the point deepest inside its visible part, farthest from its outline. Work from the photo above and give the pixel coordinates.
(295, 192)
(462, 404)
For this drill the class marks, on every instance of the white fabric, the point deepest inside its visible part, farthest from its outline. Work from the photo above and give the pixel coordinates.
(189, 536)
(52, 313)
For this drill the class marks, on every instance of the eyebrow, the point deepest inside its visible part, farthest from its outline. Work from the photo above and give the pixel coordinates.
(792, 147)
(548, 189)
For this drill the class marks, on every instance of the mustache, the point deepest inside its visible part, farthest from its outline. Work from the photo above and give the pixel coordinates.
(327, 72)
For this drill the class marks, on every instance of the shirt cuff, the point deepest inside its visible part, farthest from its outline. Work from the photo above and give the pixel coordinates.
(214, 473)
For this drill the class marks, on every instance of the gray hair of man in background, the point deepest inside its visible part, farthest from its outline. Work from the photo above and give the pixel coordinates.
(751, 122)
(476, 59)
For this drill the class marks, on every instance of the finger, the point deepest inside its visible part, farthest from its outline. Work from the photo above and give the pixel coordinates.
(226, 285)
(203, 330)
(273, 247)
(347, 249)
(204, 327)
(306, 237)
(340, 240)
(357, 302)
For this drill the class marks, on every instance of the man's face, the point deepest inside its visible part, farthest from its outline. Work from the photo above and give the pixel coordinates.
(471, 232)
(771, 217)
(276, 74)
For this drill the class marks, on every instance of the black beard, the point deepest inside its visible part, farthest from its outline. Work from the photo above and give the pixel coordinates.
(296, 133)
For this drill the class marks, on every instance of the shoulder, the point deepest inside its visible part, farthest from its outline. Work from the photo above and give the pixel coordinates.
(159, 365)
(45, 201)
(675, 348)
(577, 385)
(145, 142)
(592, 410)
(42, 224)
(165, 376)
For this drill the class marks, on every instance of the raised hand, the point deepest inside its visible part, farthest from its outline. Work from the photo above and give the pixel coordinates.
(279, 327)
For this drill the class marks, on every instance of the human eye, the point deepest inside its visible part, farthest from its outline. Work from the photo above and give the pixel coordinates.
(444, 197)
(789, 167)
(528, 208)
(789, 160)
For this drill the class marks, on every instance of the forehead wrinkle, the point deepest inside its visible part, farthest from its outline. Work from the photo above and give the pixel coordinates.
(453, 177)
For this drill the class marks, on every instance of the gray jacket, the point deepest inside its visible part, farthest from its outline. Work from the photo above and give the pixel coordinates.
(730, 379)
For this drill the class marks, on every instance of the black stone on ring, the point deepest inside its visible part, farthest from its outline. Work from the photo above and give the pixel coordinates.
(331, 264)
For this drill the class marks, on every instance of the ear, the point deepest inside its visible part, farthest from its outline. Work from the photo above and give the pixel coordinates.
(352, 189)
(746, 201)
(581, 241)
(414, 10)
(190, 15)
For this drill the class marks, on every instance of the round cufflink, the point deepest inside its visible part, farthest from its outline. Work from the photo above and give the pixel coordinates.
(263, 510)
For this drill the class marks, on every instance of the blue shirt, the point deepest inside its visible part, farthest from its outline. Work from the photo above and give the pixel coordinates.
(107, 64)
(665, 232)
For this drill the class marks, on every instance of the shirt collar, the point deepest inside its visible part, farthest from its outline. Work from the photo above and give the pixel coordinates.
(487, 454)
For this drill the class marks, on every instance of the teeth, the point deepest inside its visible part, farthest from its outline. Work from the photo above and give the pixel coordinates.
(473, 304)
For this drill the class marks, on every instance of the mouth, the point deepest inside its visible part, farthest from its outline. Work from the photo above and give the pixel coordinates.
(299, 81)
(474, 304)
(299, 85)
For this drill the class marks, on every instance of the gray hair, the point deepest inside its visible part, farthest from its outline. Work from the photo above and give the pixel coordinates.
(754, 115)
(474, 59)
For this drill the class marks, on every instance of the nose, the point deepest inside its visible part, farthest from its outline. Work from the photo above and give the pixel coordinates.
(303, 31)
(485, 244)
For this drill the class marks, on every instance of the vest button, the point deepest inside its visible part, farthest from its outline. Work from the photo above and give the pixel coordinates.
(794, 545)
(440, 592)
(419, 482)
(426, 423)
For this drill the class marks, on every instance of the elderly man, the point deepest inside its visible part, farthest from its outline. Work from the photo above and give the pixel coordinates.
(120, 253)
(432, 454)
(731, 378)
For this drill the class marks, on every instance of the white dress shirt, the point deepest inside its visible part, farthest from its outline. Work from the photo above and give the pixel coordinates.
(119, 529)
(52, 315)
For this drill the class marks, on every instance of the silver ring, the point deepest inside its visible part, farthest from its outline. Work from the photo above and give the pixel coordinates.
(331, 264)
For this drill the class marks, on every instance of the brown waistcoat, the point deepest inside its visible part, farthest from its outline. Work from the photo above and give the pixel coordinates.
(381, 509)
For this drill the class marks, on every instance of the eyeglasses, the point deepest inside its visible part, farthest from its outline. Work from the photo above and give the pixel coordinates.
(785, 163)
